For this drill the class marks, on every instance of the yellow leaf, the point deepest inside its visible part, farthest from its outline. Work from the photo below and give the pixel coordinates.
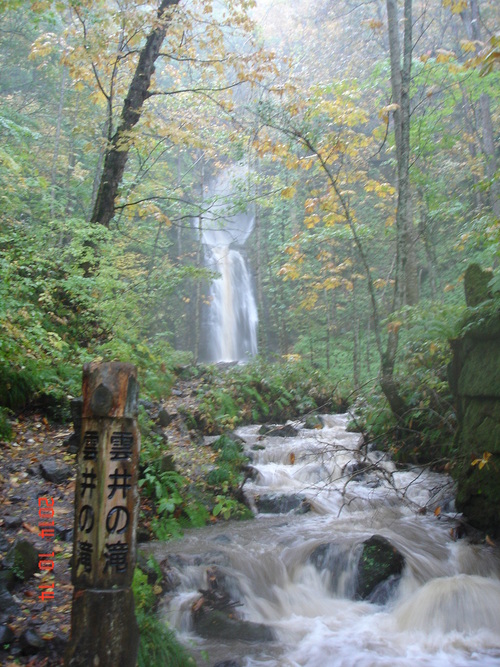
(288, 193)
(483, 461)
(311, 220)
(444, 56)
(437, 511)
(394, 327)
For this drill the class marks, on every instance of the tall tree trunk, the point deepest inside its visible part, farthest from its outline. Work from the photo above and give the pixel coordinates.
(57, 141)
(117, 152)
(199, 255)
(404, 290)
(472, 23)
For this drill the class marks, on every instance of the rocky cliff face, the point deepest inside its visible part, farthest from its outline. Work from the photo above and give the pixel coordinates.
(475, 382)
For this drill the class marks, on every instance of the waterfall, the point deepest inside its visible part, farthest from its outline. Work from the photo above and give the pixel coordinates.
(294, 573)
(230, 319)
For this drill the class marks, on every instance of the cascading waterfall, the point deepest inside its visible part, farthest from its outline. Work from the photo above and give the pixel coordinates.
(295, 573)
(231, 318)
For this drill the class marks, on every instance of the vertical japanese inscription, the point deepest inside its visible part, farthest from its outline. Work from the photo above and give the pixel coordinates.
(106, 493)
(106, 503)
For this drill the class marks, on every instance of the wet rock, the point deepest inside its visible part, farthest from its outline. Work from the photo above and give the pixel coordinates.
(8, 606)
(222, 539)
(379, 569)
(167, 463)
(64, 534)
(12, 521)
(6, 635)
(31, 642)
(229, 663)
(313, 422)
(368, 571)
(4, 543)
(282, 504)
(214, 624)
(164, 418)
(278, 431)
(55, 472)
(356, 470)
(7, 580)
(22, 559)
(73, 442)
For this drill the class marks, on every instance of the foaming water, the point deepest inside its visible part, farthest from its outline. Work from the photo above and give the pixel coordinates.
(444, 611)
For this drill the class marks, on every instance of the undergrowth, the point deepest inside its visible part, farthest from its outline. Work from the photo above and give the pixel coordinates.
(158, 645)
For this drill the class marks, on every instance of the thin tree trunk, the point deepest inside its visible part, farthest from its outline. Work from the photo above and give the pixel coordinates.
(199, 254)
(117, 153)
(472, 23)
(400, 84)
(57, 141)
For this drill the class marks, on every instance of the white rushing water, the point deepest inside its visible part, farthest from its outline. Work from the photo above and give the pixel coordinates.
(231, 321)
(443, 612)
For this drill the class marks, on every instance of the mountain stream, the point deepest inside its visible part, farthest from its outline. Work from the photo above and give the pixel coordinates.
(295, 572)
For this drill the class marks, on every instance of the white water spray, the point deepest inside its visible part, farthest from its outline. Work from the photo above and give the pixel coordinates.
(443, 612)
(231, 319)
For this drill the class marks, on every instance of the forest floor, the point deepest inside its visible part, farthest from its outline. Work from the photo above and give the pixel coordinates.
(33, 631)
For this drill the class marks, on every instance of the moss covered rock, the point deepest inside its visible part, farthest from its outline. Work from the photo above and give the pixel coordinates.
(475, 382)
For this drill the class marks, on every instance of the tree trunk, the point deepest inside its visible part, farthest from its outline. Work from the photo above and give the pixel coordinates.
(199, 255)
(404, 286)
(138, 92)
(472, 23)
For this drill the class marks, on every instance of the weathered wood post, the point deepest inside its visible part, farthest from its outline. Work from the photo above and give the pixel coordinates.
(104, 630)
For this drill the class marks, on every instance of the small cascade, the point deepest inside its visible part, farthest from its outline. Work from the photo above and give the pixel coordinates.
(231, 318)
(295, 574)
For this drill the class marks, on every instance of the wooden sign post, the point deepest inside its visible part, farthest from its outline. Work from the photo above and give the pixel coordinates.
(104, 630)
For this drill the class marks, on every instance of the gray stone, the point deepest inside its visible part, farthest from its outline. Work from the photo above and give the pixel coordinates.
(7, 580)
(22, 559)
(379, 568)
(313, 422)
(55, 472)
(282, 504)
(8, 606)
(164, 418)
(12, 521)
(31, 642)
(6, 635)
(278, 431)
(213, 624)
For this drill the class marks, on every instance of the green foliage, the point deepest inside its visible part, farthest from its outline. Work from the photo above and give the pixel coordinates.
(175, 504)
(227, 508)
(5, 427)
(261, 391)
(425, 433)
(158, 645)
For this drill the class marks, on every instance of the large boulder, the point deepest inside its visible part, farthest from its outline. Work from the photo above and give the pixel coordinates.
(55, 472)
(275, 503)
(215, 617)
(369, 570)
(379, 569)
(215, 624)
(22, 559)
(474, 377)
(278, 431)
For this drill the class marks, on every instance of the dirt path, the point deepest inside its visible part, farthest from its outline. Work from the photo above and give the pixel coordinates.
(34, 631)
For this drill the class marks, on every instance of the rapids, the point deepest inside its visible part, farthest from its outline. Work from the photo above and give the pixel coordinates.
(443, 612)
